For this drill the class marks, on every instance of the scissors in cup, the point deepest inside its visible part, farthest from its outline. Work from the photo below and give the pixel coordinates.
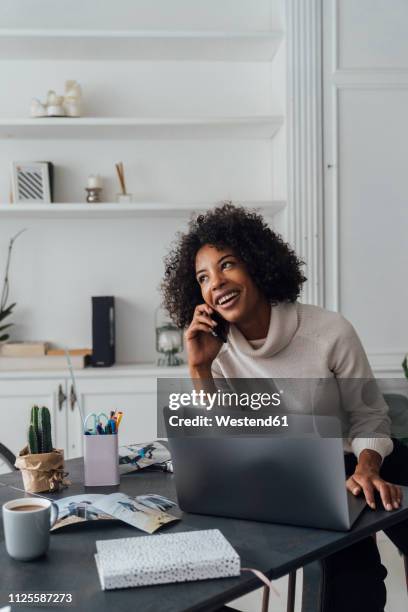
(98, 427)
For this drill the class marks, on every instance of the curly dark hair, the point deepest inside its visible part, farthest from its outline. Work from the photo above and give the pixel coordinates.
(272, 264)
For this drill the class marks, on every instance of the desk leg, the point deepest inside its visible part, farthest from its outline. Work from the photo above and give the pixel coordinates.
(291, 592)
(265, 599)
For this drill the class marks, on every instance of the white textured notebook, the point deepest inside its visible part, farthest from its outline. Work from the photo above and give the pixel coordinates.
(160, 559)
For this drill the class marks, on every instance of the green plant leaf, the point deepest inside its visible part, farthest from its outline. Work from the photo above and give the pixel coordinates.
(3, 327)
(5, 313)
(4, 337)
(405, 366)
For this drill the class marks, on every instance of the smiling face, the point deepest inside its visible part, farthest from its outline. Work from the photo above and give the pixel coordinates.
(226, 285)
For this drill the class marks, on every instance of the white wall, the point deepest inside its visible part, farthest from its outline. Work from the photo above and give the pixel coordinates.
(143, 14)
(60, 264)
(366, 141)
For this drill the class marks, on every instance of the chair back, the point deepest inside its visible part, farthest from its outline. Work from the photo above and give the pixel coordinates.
(7, 457)
(398, 413)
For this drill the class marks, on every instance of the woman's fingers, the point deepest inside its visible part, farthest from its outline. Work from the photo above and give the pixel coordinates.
(386, 493)
(197, 327)
(400, 494)
(353, 486)
(199, 324)
(396, 496)
(202, 321)
(391, 495)
(205, 320)
(368, 490)
(369, 482)
(203, 309)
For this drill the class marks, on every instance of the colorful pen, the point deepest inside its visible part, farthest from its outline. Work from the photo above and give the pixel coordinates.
(118, 419)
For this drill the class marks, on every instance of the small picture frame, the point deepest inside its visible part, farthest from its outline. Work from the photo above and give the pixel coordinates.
(31, 182)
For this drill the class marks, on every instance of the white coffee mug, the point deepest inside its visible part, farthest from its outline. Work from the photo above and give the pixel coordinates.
(27, 522)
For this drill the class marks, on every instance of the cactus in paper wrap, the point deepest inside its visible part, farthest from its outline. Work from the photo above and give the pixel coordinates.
(34, 417)
(41, 465)
(45, 430)
(32, 440)
(39, 432)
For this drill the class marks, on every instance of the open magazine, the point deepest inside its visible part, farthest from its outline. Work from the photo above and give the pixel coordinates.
(146, 512)
(135, 457)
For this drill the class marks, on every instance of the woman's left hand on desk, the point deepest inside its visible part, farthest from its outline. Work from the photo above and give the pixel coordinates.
(367, 479)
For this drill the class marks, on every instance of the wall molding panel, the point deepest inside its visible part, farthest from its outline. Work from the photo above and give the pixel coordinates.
(387, 364)
(345, 84)
(305, 137)
(370, 79)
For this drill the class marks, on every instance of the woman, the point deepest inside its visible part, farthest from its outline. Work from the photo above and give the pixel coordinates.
(233, 283)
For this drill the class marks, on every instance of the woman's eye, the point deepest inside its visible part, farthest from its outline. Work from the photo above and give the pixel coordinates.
(227, 264)
(201, 279)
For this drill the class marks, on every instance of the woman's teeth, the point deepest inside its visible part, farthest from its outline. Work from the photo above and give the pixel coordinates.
(226, 298)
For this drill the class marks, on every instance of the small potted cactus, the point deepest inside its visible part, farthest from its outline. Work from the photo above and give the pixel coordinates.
(41, 464)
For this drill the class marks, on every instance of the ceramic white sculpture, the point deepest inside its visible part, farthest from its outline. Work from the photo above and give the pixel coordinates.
(73, 99)
(55, 104)
(69, 105)
(37, 109)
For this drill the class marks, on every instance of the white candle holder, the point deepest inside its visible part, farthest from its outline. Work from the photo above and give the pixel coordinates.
(94, 194)
(169, 340)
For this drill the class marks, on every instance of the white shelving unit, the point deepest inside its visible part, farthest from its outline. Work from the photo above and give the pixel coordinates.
(139, 45)
(119, 370)
(233, 143)
(129, 128)
(114, 210)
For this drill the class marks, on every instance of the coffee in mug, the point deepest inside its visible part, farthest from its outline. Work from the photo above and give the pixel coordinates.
(26, 508)
(27, 527)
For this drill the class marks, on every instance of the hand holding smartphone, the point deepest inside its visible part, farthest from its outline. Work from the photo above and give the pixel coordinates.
(221, 331)
(204, 337)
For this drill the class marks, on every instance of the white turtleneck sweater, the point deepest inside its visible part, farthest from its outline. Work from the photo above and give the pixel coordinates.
(308, 342)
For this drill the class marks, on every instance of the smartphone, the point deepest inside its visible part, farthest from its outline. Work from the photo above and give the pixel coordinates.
(221, 331)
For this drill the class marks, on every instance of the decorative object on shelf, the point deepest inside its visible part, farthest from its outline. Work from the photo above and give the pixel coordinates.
(6, 310)
(169, 339)
(103, 331)
(41, 465)
(40, 363)
(73, 99)
(69, 105)
(94, 189)
(55, 105)
(122, 197)
(37, 109)
(23, 349)
(79, 352)
(31, 182)
(93, 195)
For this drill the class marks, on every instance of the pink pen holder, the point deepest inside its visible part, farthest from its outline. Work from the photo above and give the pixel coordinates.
(101, 460)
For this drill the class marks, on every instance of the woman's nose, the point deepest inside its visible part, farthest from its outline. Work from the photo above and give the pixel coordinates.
(217, 280)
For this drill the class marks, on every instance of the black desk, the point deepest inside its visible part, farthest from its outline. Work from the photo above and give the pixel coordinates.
(69, 566)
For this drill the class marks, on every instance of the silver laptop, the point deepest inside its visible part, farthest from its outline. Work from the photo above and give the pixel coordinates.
(278, 479)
